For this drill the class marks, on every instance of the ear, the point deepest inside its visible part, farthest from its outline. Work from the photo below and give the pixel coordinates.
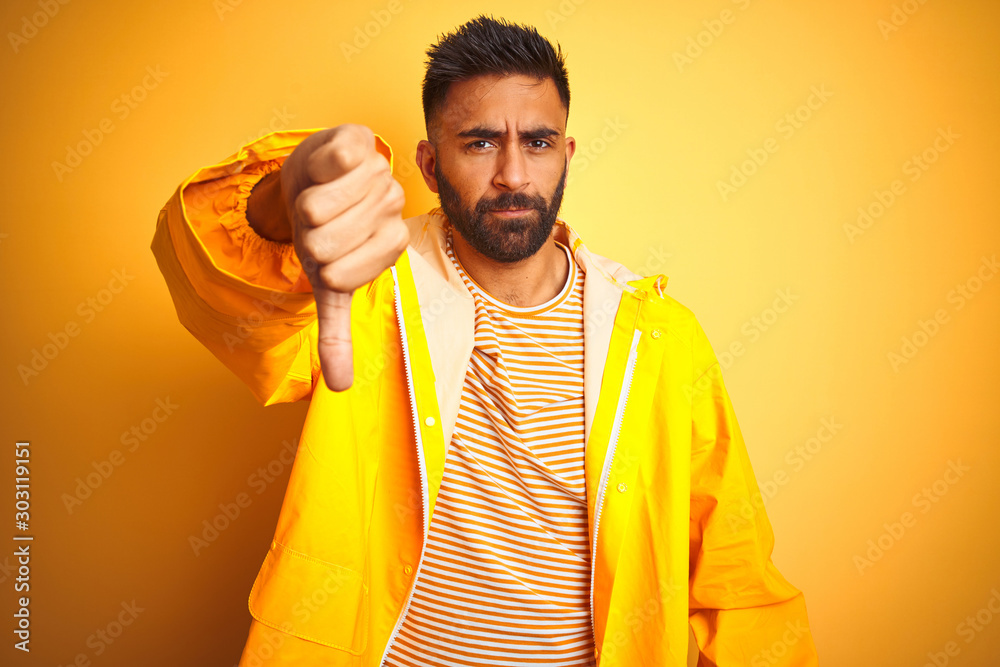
(570, 149)
(426, 159)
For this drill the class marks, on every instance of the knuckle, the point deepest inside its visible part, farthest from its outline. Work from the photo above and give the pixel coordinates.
(402, 237)
(362, 132)
(320, 248)
(338, 153)
(379, 163)
(325, 249)
(315, 164)
(306, 260)
(396, 194)
(333, 278)
(357, 137)
(307, 251)
(392, 197)
(308, 209)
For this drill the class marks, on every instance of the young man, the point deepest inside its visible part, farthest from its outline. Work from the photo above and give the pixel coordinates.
(517, 450)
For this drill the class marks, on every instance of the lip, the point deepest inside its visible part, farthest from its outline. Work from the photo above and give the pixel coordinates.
(510, 213)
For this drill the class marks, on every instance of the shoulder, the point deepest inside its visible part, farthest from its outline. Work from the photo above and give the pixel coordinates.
(651, 289)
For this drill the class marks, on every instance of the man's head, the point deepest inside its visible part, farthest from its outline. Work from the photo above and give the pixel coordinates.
(496, 102)
(485, 46)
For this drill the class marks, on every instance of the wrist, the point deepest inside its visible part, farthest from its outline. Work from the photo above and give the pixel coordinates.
(266, 212)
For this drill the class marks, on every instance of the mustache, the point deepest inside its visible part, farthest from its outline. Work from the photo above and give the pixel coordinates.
(511, 200)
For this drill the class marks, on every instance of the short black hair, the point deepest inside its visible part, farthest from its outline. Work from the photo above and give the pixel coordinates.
(486, 45)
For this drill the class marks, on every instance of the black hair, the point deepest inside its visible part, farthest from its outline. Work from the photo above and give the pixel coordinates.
(486, 45)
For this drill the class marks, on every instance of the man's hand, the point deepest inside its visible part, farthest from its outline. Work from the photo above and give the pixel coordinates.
(345, 209)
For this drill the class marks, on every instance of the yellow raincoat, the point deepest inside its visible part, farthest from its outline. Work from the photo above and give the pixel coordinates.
(678, 533)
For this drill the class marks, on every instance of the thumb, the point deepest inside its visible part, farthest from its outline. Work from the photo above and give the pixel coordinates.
(336, 353)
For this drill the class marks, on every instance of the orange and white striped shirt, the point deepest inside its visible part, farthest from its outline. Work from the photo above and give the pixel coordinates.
(505, 579)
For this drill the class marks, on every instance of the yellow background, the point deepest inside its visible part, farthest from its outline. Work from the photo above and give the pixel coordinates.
(661, 133)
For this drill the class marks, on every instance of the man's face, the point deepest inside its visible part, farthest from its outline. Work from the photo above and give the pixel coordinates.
(500, 161)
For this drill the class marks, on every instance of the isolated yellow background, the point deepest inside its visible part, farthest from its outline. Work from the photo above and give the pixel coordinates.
(661, 133)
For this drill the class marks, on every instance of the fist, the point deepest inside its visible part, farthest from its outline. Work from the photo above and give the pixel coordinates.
(345, 210)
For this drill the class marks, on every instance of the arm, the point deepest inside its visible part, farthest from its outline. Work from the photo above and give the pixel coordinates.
(266, 211)
(244, 296)
(742, 610)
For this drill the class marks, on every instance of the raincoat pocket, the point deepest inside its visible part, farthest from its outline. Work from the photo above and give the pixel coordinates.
(311, 599)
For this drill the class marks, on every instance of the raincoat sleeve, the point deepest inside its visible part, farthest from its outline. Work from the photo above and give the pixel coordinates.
(742, 610)
(246, 298)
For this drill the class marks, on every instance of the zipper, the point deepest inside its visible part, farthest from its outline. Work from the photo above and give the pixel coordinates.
(608, 459)
(420, 459)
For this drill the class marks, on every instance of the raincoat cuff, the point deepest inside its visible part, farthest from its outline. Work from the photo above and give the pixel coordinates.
(257, 251)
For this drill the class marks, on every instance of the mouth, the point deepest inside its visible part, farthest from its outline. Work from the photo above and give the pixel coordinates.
(510, 212)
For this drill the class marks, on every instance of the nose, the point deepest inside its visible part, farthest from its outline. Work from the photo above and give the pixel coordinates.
(511, 169)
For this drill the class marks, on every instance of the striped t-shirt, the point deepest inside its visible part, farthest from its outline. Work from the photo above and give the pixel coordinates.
(505, 579)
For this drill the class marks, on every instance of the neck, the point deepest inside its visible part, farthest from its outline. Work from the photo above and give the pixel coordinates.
(529, 282)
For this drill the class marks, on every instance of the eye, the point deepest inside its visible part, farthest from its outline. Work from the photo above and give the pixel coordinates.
(539, 143)
(478, 144)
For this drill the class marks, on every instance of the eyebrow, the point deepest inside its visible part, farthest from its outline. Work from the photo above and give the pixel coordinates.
(485, 132)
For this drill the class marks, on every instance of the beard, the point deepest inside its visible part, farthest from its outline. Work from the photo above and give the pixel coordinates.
(505, 240)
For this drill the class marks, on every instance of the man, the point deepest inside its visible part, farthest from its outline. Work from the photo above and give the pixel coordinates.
(517, 450)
